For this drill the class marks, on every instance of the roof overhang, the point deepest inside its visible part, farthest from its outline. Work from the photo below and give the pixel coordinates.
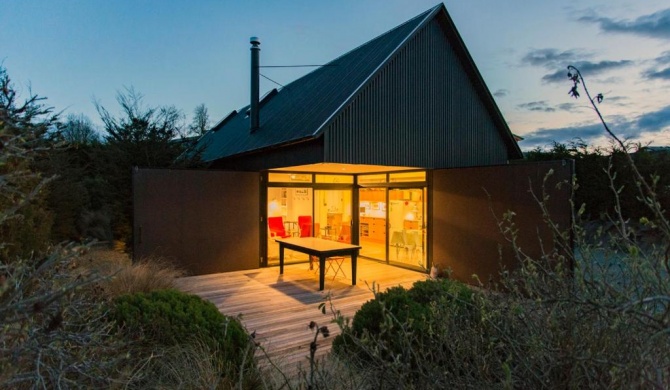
(343, 168)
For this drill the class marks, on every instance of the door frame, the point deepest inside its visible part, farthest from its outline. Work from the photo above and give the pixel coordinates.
(263, 202)
(426, 185)
(425, 225)
(355, 200)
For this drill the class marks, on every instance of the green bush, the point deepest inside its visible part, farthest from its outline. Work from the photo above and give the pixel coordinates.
(398, 318)
(170, 317)
(426, 291)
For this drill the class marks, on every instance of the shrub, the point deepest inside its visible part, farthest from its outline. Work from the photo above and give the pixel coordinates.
(170, 317)
(426, 291)
(398, 318)
(96, 225)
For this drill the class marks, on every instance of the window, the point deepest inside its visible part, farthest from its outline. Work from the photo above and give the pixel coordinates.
(335, 179)
(372, 179)
(417, 176)
(275, 177)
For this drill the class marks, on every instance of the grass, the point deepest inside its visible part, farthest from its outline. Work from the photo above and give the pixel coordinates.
(122, 276)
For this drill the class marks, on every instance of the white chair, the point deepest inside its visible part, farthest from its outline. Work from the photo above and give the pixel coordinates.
(398, 241)
(413, 243)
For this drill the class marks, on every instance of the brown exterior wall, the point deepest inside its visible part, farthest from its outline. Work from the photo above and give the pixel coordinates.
(203, 221)
(465, 234)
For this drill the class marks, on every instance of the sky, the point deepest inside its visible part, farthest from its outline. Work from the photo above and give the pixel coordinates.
(185, 53)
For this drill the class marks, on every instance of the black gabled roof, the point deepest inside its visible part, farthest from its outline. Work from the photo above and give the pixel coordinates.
(301, 108)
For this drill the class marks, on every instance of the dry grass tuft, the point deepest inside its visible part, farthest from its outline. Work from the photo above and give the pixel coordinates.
(149, 274)
(103, 262)
(122, 276)
(183, 366)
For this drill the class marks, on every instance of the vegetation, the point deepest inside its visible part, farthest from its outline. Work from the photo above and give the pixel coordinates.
(411, 308)
(592, 165)
(25, 222)
(141, 137)
(51, 336)
(143, 276)
(200, 123)
(56, 311)
(399, 337)
(89, 188)
(170, 317)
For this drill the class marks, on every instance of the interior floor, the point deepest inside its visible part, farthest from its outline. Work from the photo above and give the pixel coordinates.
(411, 256)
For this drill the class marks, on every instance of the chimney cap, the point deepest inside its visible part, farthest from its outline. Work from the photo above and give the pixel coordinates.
(254, 41)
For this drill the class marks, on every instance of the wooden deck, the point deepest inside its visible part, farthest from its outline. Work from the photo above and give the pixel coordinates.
(279, 308)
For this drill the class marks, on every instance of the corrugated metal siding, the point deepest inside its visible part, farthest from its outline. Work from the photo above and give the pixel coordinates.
(420, 110)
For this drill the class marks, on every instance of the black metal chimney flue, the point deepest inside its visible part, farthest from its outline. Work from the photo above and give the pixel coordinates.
(254, 114)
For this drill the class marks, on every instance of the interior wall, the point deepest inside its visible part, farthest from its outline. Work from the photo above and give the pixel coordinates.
(466, 237)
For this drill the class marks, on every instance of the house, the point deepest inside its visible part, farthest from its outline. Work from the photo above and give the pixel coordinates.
(397, 146)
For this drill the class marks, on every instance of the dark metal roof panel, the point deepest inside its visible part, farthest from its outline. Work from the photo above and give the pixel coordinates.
(302, 107)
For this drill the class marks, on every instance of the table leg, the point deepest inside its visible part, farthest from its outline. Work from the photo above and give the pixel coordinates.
(354, 256)
(281, 259)
(322, 272)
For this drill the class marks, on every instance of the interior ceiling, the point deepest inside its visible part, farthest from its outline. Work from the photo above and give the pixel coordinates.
(343, 168)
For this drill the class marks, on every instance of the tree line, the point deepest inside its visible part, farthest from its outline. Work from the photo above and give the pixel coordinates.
(88, 194)
(600, 171)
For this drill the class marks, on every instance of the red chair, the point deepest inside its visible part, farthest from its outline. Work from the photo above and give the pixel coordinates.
(277, 229)
(305, 225)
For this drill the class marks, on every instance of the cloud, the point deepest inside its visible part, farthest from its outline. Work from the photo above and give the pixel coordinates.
(550, 58)
(655, 25)
(651, 74)
(587, 68)
(664, 58)
(501, 93)
(625, 128)
(543, 106)
(659, 73)
(557, 62)
(654, 121)
(536, 106)
(616, 98)
(544, 137)
(567, 106)
(620, 101)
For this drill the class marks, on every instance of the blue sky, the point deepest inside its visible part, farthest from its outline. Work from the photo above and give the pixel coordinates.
(185, 53)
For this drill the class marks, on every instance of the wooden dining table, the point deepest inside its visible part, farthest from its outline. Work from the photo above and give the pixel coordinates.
(323, 249)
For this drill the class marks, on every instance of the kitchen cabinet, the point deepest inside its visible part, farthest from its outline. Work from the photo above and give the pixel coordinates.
(410, 225)
(373, 195)
(373, 229)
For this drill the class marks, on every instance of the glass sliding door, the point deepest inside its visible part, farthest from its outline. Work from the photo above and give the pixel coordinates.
(287, 207)
(407, 226)
(372, 223)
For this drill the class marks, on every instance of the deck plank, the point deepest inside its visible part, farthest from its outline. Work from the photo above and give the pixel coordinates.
(280, 307)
